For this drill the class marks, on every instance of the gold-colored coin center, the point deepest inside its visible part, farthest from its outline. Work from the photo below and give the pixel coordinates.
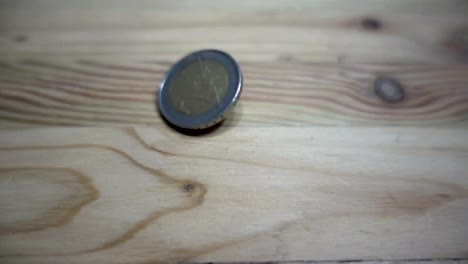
(199, 87)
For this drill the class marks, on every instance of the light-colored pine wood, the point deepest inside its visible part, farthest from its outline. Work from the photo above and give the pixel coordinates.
(148, 195)
(382, 185)
(116, 93)
(409, 31)
(100, 63)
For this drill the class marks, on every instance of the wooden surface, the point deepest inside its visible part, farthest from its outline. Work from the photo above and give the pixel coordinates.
(311, 166)
(307, 63)
(247, 194)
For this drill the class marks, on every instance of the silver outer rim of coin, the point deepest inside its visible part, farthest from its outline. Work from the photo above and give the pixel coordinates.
(220, 116)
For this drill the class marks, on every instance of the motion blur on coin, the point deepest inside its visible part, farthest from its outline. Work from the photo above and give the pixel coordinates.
(200, 90)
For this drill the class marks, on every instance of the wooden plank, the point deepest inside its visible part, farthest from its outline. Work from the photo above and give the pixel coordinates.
(318, 31)
(242, 193)
(307, 63)
(147, 195)
(122, 93)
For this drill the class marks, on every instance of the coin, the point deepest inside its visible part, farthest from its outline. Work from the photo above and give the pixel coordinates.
(200, 89)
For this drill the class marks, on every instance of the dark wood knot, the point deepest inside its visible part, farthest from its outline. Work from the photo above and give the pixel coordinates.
(371, 24)
(389, 90)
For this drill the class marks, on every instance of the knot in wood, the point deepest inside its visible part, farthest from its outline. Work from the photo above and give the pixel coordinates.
(389, 90)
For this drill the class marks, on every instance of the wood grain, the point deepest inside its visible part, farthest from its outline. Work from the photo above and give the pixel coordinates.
(67, 191)
(311, 166)
(147, 195)
(120, 94)
(320, 30)
(307, 63)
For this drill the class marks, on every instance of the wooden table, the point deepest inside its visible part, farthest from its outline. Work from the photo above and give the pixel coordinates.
(312, 165)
